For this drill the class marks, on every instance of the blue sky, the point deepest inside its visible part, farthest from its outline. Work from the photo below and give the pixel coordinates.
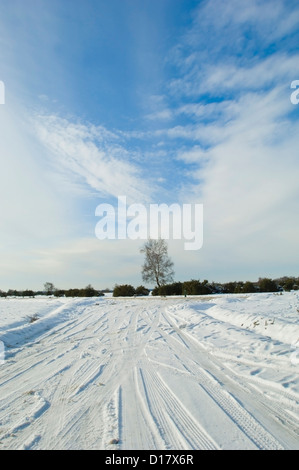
(162, 101)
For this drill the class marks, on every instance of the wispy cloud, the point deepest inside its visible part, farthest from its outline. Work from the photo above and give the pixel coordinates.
(234, 78)
(94, 156)
(241, 131)
(244, 29)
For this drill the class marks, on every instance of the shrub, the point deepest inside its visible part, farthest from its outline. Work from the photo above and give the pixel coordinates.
(59, 293)
(89, 291)
(289, 284)
(141, 290)
(156, 291)
(249, 288)
(194, 287)
(73, 293)
(125, 290)
(267, 285)
(169, 289)
(28, 293)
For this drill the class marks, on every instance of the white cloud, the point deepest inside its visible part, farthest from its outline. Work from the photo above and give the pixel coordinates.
(33, 212)
(234, 78)
(268, 20)
(243, 137)
(93, 155)
(29, 206)
(248, 182)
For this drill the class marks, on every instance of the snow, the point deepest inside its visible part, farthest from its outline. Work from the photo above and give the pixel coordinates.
(212, 372)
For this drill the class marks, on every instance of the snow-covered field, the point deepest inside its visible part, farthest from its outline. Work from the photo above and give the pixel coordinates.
(150, 373)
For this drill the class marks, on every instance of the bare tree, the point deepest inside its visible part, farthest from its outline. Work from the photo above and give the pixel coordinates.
(49, 288)
(158, 266)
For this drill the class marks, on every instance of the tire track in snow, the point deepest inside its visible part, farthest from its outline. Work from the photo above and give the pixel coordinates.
(176, 425)
(147, 425)
(32, 407)
(80, 371)
(123, 348)
(48, 368)
(244, 420)
(111, 345)
(280, 408)
(213, 386)
(282, 405)
(163, 424)
(150, 384)
(136, 424)
(73, 394)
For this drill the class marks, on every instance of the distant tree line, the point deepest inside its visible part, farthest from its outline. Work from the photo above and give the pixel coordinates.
(50, 289)
(196, 287)
(193, 287)
(17, 293)
(88, 291)
(126, 290)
